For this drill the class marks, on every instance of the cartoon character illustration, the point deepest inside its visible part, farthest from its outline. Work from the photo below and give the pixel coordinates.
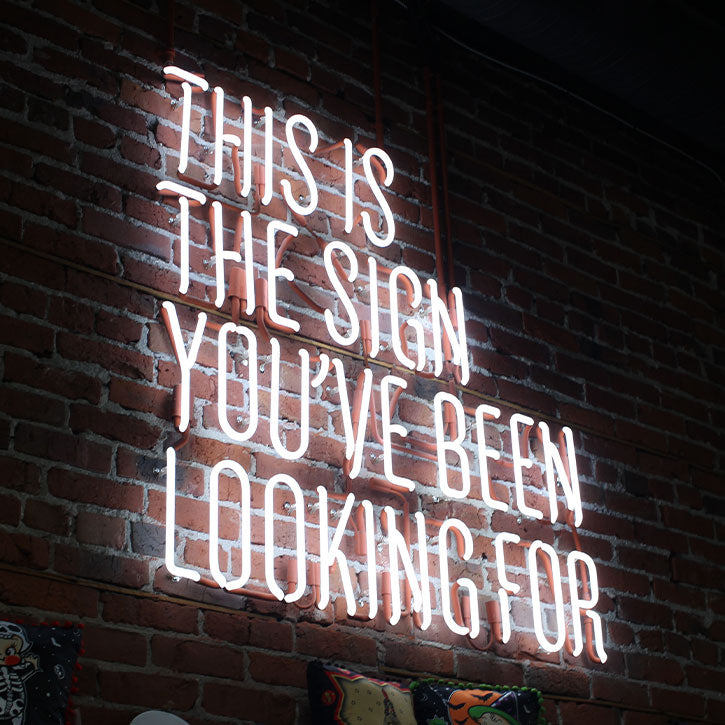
(472, 707)
(16, 666)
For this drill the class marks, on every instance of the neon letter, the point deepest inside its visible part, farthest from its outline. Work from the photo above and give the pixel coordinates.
(520, 463)
(377, 193)
(464, 583)
(389, 428)
(505, 584)
(216, 573)
(398, 550)
(171, 521)
(484, 452)
(578, 604)
(416, 325)
(299, 504)
(548, 550)
(569, 481)
(304, 168)
(354, 333)
(225, 329)
(273, 272)
(330, 552)
(304, 404)
(186, 361)
(453, 445)
(459, 345)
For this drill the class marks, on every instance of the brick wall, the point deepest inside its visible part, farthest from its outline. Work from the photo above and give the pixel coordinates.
(591, 264)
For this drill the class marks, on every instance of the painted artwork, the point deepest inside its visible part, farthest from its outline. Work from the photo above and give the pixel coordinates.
(448, 703)
(37, 666)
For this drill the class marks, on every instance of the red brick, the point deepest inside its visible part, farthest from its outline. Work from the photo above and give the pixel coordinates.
(183, 655)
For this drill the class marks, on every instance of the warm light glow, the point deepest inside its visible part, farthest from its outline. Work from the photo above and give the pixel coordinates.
(389, 428)
(170, 547)
(548, 550)
(372, 180)
(186, 360)
(274, 273)
(453, 445)
(292, 203)
(246, 525)
(354, 334)
(463, 583)
(222, 358)
(274, 419)
(579, 605)
(301, 555)
(520, 462)
(330, 552)
(484, 453)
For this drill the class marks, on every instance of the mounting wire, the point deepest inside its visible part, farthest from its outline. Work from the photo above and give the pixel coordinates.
(572, 94)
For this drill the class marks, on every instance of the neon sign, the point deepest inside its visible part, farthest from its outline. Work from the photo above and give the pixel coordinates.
(436, 323)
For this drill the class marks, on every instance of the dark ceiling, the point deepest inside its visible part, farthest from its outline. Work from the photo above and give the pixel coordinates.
(659, 64)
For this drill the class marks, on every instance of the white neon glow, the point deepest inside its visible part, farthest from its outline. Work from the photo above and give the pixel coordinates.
(370, 555)
(184, 195)
(247, 151)
(555, 467)
(245, 219)
(354, 333)
(181, 190)
(222, 358)
(415, 325)
(484, 453)
(304, 404)
(354, 444)
(220, 138)
(349, 186)
(292, 203)
(186, 360)
(321, 375)
(457, 338)
(268, 154)
(185, 128)
(388, 428)
(398, 551)
(377, 193)
(579, 605)
(374, 307)
(454, 445)
(345, 410)
(299, 509)
(463, 583)
(519, 463)
(184, 75)
(274, 273)
(246, 525)
(503, 603)
(330, 552)
(170, 547)
(220, 254)
(501, 539)
(548, 550)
